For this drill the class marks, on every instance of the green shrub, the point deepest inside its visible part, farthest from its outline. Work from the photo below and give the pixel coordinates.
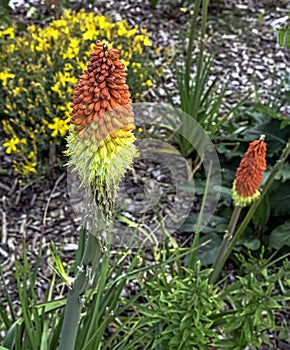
(181, 309)
(184, 311)
(38, 72)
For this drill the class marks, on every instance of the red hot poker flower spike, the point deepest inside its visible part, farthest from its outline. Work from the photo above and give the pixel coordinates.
(100, 142)
(250, 173)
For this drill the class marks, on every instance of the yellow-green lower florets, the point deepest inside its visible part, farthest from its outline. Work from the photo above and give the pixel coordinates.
(101, 165)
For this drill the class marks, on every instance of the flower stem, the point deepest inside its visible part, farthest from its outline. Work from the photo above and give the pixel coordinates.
(192, 259)
(84, 279)
(219, 264)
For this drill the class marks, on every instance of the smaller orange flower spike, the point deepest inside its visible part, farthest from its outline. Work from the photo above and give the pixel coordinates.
(250, 173)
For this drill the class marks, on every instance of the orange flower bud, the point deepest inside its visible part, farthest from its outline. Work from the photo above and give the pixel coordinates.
(250, 173)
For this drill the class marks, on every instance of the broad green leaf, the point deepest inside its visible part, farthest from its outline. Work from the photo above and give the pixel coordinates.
(208, 253)
(284, 173)
(10, 336)
(252, 244)
(280, 199)
(217, 224)
(280, 236)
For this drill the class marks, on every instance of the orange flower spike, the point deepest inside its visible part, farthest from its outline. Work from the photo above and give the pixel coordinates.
(250, 173)
(100, 143)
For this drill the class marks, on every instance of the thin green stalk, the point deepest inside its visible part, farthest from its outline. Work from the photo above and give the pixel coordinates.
(45, 329)
(97, 310)
(176, 249)
(3, 315)
(200, 64)
(192, 258)
(84, 279)
(251, 212)
(31, 277)
(188, 60)
(22, 286)
(225, 243)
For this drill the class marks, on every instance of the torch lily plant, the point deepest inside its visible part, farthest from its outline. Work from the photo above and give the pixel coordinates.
(101, 150)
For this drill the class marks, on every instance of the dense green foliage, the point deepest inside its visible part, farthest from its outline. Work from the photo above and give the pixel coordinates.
(172, 308)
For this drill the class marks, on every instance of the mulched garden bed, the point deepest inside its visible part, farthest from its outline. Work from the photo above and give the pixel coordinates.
(40, 211)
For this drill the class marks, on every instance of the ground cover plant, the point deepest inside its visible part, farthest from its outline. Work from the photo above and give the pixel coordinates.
(177, 301)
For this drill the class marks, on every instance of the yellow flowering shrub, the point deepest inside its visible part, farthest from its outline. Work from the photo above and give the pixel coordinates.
(39, 69)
